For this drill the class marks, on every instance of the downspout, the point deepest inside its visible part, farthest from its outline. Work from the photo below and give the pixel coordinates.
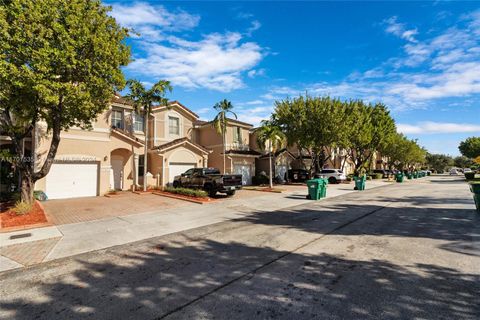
(154, 131)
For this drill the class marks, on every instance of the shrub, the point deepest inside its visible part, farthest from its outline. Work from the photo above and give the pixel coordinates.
(22, 207)
(260, 179)
(470, 175)
(376, 175)
(187, 192)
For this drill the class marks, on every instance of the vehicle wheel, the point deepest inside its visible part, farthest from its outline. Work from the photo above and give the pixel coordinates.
(210, 190)
(176, 184)
(230, 193)
(332, 180)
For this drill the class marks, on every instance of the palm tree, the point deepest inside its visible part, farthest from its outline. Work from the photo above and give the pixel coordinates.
(271, 137)
(143, 100)
(223, 108)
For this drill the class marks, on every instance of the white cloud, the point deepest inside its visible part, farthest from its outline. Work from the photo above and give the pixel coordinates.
(216, 61)
(446, 65)
(255, 73)
(203, 111)
(141, 14)
(399, 29)
(253, 102)
(254, 27)
(429, 127)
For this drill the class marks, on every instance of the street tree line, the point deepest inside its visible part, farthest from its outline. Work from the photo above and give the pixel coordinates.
(318, 126)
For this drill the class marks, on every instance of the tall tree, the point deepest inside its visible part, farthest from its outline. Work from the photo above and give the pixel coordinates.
(470, 148)
(271, 138)
(463, 162)
(60, 65)
(223, 108)
(313, 124)
(439, 162)
(143, 101)
(370, 128)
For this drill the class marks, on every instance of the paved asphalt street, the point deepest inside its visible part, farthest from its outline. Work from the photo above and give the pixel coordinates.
(404, 251)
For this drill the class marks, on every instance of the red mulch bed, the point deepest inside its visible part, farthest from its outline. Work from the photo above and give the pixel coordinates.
(181, 196)
(8, 218)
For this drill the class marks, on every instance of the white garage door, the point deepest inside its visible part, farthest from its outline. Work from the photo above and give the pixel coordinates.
(176, 169)
(246, 172)
(72, 180)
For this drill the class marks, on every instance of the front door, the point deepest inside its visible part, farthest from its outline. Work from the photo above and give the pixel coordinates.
(117, 173)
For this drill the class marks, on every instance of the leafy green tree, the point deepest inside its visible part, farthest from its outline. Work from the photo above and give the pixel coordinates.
(439, 162)
(463, 162)
(313, 124)
(60, 64)
(143, 101)
(271, 138)
(470, 148)
(370, 127)
(223, 108)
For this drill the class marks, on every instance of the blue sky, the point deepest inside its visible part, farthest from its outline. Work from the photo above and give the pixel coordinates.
(422, 59)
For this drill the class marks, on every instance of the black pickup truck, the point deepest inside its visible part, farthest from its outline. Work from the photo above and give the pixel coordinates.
(210, 180)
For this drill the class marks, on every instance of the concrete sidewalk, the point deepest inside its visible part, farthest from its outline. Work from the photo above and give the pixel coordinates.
(45, 244)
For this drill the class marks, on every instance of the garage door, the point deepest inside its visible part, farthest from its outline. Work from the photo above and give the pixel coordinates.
(245, 171)
(72, 180)
(176, 169)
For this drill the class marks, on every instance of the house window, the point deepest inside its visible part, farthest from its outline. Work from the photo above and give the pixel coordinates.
(138, 122)
(174, 125)
(117, 119)
(141, 165)
(237, 135)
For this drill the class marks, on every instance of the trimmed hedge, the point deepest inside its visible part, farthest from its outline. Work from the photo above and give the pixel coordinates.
(187, 192)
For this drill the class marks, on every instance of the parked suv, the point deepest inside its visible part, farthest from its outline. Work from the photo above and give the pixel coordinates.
(333, 175)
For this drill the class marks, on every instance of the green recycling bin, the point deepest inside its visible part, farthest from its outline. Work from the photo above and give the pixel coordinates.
(399, 177)
(409, 176)
(415, 174)
(317, 188)
(360, 182)
(475, 188)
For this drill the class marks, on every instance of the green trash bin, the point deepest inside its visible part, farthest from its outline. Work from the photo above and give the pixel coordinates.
(415, 174)
(323, 187)
(317, 188)
(475, 188)
(409, 176)
(399, 177)
(360, 182)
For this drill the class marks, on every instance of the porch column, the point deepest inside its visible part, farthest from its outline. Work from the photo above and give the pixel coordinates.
(135, 164)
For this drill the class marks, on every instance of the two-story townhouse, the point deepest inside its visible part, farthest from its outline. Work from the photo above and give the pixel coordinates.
(172, 146)
(240, 158)
(92, 162)
(111, 155)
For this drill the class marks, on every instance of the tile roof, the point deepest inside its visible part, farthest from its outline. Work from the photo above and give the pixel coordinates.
(127, 135)
(243, 152)
(179, 141)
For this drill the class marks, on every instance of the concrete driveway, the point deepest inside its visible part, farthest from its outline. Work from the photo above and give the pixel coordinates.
(66, 211)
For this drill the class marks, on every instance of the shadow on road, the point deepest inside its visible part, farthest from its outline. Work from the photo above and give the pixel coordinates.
(156, 281)
(213, 276)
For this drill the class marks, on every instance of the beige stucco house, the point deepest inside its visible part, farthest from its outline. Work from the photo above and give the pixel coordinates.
(111, 155)
(240, 156)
